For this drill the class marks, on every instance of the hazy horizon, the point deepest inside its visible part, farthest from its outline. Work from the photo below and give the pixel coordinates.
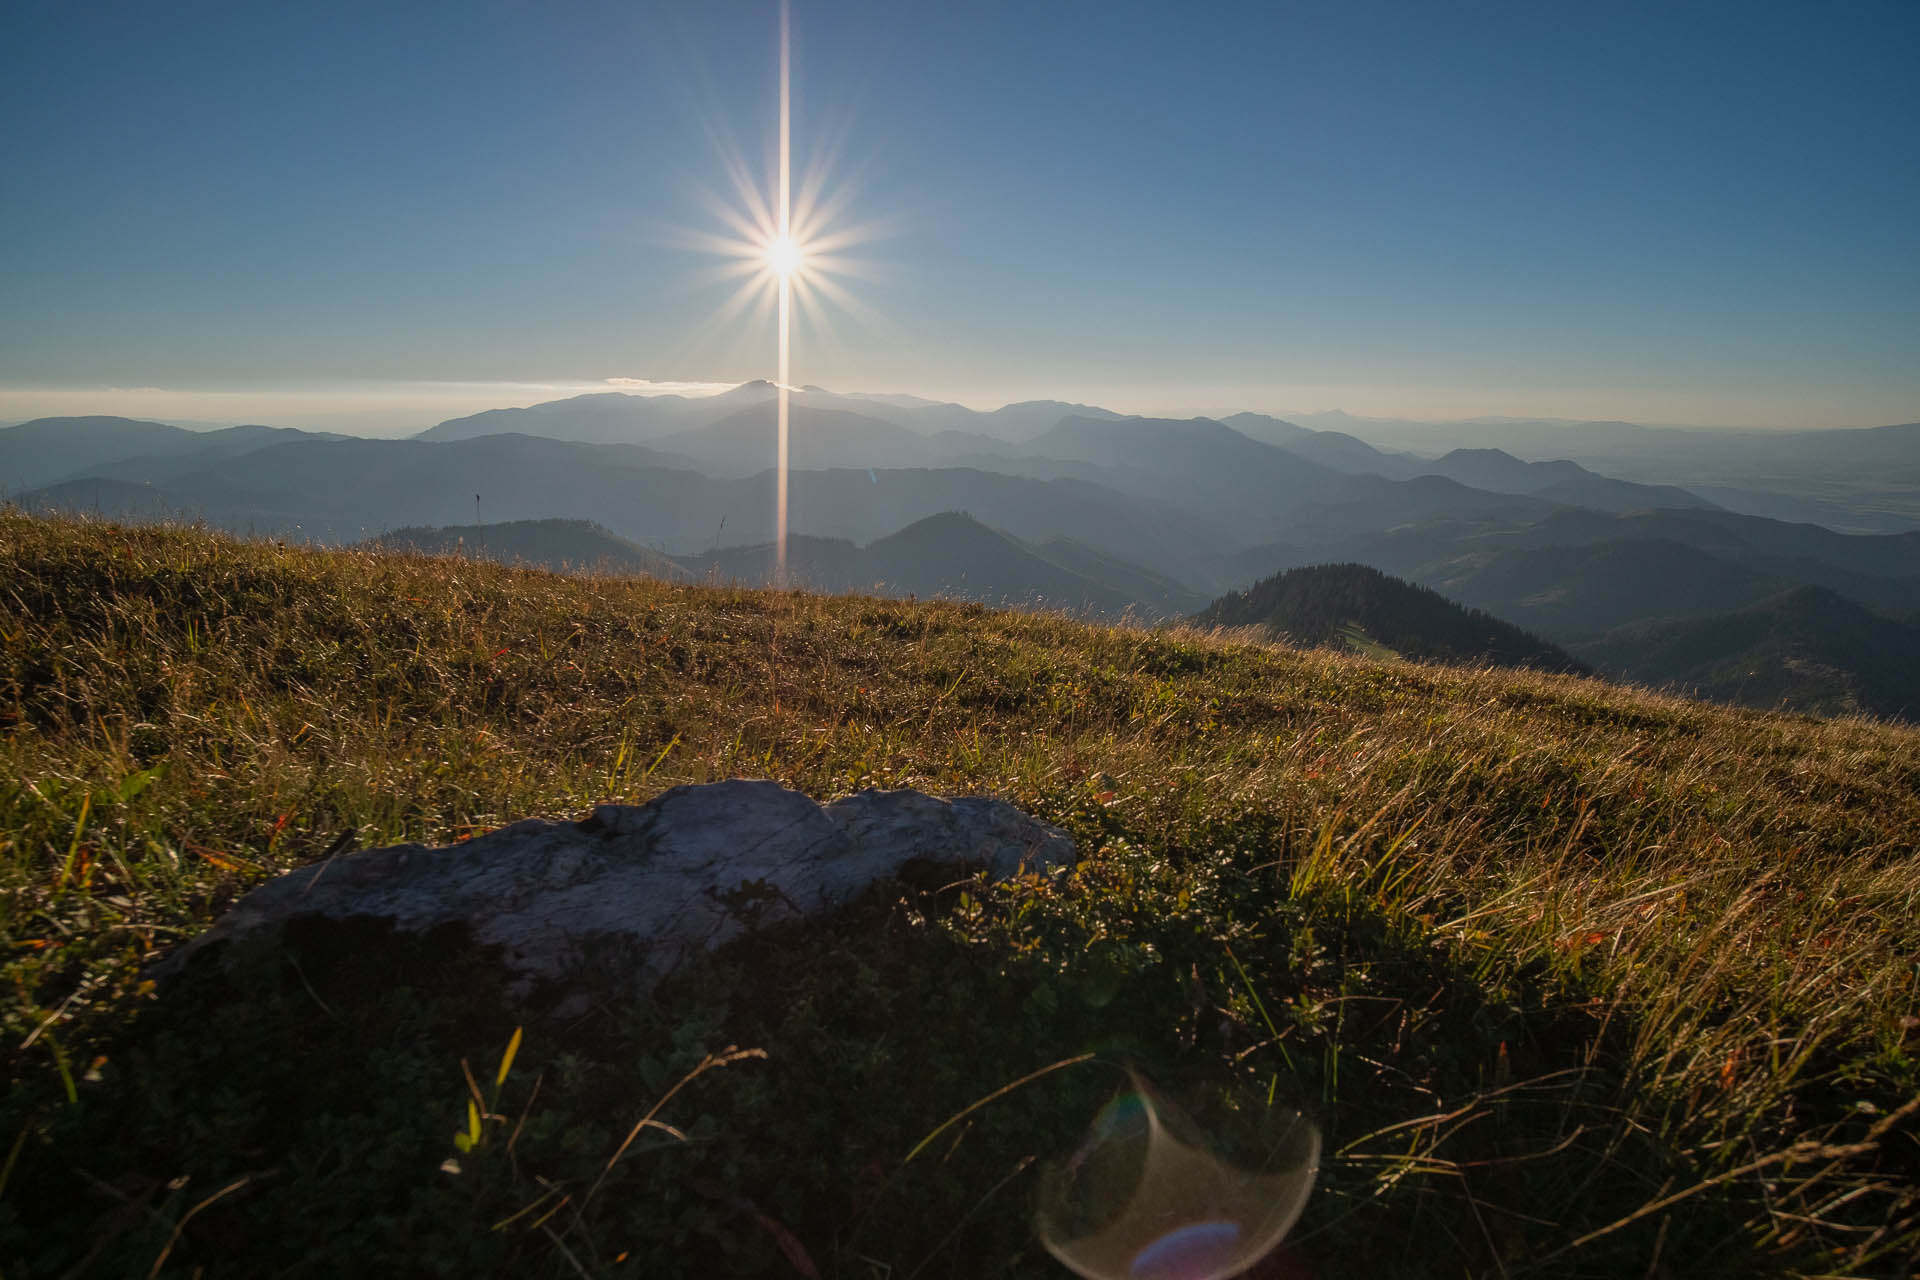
(395, 407)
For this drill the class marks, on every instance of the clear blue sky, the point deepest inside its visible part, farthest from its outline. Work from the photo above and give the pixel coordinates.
(1670, 212)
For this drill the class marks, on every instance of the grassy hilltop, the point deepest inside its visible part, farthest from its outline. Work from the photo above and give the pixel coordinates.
(1576, 980)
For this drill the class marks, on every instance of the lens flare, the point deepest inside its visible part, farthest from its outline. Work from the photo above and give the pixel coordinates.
(1146, 1196)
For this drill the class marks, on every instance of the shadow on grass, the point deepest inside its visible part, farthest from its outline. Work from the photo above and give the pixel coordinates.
(308, 1113)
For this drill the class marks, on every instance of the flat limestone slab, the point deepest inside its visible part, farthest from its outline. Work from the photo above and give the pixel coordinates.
(661, 874)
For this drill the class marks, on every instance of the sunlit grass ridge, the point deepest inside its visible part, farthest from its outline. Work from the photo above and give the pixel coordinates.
(1576, 979)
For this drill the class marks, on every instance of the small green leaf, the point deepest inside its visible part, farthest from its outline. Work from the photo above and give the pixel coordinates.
(134, 783)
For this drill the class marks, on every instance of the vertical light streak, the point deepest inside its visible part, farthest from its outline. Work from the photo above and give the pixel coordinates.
(786, 295)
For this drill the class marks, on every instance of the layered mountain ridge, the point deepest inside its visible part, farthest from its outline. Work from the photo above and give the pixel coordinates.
(1071, 507)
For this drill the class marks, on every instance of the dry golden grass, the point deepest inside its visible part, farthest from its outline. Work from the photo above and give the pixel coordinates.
(1724, 901)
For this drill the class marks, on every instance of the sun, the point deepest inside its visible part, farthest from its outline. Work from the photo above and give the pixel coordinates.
(784, 257)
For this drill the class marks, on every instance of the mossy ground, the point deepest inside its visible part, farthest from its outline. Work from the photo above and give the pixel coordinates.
(1576, 980)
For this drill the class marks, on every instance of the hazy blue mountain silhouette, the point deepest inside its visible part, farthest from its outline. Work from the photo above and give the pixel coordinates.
(45, 450)
(1864, 479)
(1841, 517)
(1156, 594)
(1334, 449)
(954, 554)
(1185, 499)
(1192, 459)
(1372, 506)
(1156, 535)
(614, 416)
(607, 417)
(350, 489)
(1263, 491)
(105, 497)
(1490, 469)
(1019, 422)
(574, 545)
(1580, 439)
(1558, 481)
(1804, 552)
(813, 564)
(890, 400)
(949, 554)
(743, 442)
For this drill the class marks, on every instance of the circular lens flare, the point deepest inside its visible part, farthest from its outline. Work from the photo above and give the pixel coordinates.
(1148, 1197)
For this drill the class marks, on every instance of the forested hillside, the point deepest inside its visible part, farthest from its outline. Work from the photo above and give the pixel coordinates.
(1352, 607)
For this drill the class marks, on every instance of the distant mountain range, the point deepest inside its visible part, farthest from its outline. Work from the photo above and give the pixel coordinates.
(568, 546)
(46, 450)
(620, 417)
(1353, 607)
(950, 554)
(742, 443)
(1859, 480)
(1562, 482)
(1070, 506)
(953, 554)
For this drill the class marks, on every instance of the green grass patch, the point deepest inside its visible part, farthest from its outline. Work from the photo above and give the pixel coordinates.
(1365, 645)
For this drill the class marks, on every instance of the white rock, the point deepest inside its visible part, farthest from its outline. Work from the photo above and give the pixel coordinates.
(658, 874)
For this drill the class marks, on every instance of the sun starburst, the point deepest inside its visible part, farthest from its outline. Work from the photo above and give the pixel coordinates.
(785, 258)
(785, 250)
